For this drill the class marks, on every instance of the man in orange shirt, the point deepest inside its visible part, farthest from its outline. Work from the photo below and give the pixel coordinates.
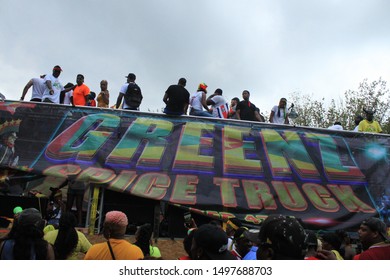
(116, 247)
(80, 92)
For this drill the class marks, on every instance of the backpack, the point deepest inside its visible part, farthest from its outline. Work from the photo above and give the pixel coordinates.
(133, 96)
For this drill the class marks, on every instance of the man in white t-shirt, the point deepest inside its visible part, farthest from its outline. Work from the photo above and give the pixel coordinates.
(38, 88)
(130, 81)
(336, 126)
(53, 86)
(219, 104)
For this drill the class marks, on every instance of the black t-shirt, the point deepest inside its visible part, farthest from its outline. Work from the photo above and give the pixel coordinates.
(178, 96)
(247, 110)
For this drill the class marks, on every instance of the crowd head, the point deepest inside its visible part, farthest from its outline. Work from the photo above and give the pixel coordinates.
(371, 231)
(115, 224)
(202, 87)
(210, 243)
(281, 238)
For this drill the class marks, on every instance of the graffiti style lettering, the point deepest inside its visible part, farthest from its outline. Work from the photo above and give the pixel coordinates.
(148, 138)
(236, 145)
(82, 141)
(195, 137)
(151, 185)
(184, 189)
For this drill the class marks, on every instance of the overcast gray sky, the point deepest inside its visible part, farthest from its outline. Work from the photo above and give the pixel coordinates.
(272, 48)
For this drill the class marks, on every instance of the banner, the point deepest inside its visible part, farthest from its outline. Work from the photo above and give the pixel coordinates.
(328, 178)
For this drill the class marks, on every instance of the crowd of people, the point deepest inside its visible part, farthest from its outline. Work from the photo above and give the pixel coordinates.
(178, 101)
(278, 237)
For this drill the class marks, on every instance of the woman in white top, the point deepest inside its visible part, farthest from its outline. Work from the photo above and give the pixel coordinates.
(279, 113)
(198, 102)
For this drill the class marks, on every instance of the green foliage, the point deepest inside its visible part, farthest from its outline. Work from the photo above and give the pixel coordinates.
(314, 113)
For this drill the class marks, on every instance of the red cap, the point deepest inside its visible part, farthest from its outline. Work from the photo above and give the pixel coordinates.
(57, 68)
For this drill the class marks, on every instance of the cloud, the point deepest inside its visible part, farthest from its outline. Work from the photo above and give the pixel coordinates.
(271, 48)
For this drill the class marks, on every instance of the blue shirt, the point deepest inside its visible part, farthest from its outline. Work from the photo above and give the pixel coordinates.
(251, 255)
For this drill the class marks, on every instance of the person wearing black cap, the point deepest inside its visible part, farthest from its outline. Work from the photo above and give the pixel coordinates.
(210, 243)
(374, 239)
(125, 90)
(369, 124)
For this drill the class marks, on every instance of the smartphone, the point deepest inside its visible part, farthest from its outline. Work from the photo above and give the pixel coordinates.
(187, 219)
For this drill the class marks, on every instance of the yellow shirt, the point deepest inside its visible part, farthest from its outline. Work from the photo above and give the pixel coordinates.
(366, 126)
(123, 250)
(82, 246)
(337, 254)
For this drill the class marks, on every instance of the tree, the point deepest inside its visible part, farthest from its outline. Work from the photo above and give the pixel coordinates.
(314, 113)
(374, 96)
(311, 112)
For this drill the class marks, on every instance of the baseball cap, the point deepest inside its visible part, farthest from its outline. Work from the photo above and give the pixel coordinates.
(369, 111)
(131, 75)
(375, 224)
(214, 242)
(285, 235)
(57, 68)
(17, 210)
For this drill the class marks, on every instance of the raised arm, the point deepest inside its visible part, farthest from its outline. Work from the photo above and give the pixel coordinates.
(26, 88)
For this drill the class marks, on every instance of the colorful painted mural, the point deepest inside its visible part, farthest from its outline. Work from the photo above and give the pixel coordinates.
(327, 178)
